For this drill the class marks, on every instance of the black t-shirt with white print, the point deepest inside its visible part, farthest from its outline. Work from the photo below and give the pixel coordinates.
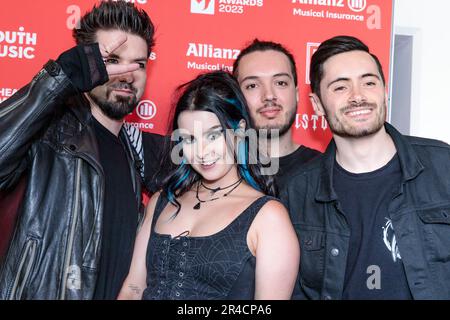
(374, 265)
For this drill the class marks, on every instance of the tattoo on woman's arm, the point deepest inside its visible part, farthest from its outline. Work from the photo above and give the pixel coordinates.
(135, 289)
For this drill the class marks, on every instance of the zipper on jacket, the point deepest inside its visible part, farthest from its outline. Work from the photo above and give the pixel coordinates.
(24, 269)
(7, 109)
(73, 222)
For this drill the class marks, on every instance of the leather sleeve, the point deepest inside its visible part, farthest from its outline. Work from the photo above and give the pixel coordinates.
(84, 66)
(30, 110)
(23, 117)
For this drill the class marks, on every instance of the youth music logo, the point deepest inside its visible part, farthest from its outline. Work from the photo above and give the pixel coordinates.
(202, 6)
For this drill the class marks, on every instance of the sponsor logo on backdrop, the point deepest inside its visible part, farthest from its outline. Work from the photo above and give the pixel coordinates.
(311, 47)
(357, 5)
(17, 44)
(5, 93)
(146, 109)
(328, 3)
(223, 6)
(205, 50)
(209, 51)
(312, 122)
(203, 6)
(325, 9)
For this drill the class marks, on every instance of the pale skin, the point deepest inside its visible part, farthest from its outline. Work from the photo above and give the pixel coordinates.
(264, 77)
(125, 57)
(352, 79)
(271, 237)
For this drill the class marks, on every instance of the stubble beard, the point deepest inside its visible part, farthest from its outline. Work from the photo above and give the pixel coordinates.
(281, 129)
(338, 128)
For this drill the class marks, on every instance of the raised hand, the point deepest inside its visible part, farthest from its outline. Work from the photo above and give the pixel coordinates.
(107, 49)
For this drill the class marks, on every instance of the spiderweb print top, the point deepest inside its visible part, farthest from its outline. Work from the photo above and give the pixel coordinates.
(219, 266)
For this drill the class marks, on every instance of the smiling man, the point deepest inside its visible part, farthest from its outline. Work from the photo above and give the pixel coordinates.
(372, 213)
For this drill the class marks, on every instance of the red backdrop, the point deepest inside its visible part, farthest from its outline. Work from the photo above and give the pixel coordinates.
(194, 36)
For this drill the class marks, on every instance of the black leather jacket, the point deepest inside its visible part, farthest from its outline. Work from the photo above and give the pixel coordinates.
(46, 134)
(420, 215)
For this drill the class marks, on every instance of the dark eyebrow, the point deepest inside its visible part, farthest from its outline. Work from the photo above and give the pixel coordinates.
(113, 55)
(371, 75)
(249, 78)
(337, 80)
(182, 134)
(188, 135)
(214, 128)
(282, 74)
(365, 75)
(140, 59)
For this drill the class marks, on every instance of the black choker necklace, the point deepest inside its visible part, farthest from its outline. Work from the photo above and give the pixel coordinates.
(200, 201)
(214, 190)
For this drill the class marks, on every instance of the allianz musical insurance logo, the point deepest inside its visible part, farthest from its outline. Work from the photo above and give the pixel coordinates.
(146, 110)
(202, 6)
(354, 5)
(357, 5)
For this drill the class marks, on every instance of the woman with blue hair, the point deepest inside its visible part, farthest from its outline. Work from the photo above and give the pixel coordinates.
(215, 230)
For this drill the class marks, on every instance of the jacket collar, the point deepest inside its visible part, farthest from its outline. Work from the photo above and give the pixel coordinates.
(409, 163)
(80, 108)
(78, 130)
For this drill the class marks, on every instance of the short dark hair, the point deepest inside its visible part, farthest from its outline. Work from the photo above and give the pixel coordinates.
(109, 15)
(332, 47)
(258, 45)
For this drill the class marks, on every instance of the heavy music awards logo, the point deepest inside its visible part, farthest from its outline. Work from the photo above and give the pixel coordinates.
(202, 6)
(146, 110)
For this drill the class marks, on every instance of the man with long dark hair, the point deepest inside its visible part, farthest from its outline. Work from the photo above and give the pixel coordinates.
(372, 213)
(64, 131)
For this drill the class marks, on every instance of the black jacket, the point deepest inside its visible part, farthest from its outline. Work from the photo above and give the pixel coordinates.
(47, 134)
(420, 215)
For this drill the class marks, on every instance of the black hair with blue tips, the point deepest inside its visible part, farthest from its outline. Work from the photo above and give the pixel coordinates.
(219, 93)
